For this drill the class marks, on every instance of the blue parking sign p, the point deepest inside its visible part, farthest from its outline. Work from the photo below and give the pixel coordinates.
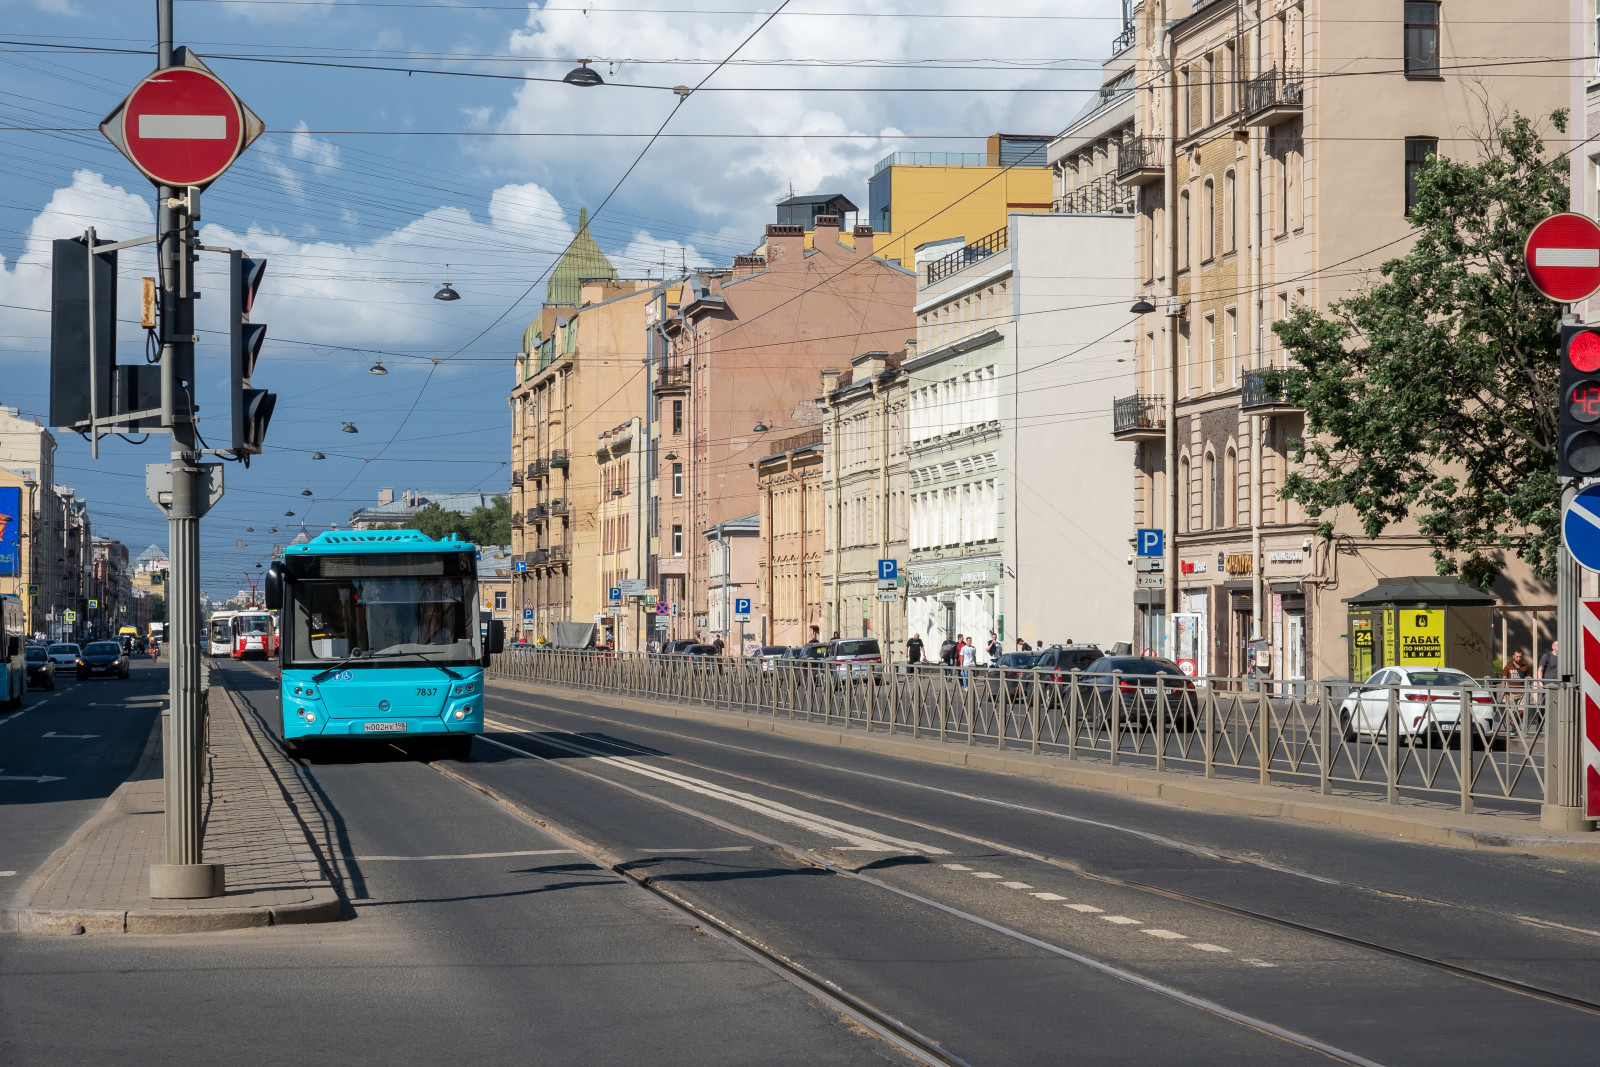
(888, 570)
(1151, 542)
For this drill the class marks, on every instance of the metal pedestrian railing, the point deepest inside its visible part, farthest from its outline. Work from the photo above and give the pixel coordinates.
(1463, 745)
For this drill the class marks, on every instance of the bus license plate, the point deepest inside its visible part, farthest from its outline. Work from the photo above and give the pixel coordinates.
(385, 727)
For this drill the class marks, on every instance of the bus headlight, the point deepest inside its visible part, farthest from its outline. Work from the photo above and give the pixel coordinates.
(461, 713)
(310, 715)
(460, 689)
(310, 692)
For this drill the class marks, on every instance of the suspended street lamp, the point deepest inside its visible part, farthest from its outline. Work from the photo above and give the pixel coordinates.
(582, 76)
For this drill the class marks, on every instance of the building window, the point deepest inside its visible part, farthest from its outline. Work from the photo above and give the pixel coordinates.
(677, 417)
(1208, 220)
(1183, 230)
(1230, 216)
(677, 540)
(677, 479)
(1232, 341)
(1422, 39)
(1418, 149)
(1213, 360)
(499, 600)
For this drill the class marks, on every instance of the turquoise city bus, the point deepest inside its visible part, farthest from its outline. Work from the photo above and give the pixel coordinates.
(380, 640)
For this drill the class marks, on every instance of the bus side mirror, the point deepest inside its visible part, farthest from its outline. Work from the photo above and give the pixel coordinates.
(275, 587)
(497, 637)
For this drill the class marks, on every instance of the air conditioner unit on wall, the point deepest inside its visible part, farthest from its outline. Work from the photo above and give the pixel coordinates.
(1175, 306)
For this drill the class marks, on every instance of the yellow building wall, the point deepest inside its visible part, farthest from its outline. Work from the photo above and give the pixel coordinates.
(938, 203)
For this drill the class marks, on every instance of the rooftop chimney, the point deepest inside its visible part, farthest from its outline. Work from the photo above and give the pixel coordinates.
(863, 238)
(385, 496)
(786, 247)
(826, 229)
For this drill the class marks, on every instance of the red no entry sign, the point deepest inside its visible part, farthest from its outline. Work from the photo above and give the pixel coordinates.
(1563, 257)
(182, 126)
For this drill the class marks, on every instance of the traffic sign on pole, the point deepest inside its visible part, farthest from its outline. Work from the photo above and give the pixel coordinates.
(741, 609)
(662, 607)
(1150, 542)
(182, 126)
(1580, 528)
(1589, 788)
(1562, 256)
(614, 595)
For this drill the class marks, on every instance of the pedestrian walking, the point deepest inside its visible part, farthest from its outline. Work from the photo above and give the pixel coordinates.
(969, 659)
(718, 645)
(947, 652)
(914, 649)
(1549, 668)
(995, 650)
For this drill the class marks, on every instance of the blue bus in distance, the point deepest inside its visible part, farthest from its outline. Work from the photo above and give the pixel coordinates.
(380, 640)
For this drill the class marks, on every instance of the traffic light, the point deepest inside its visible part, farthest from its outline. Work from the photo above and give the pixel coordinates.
(1578, 418)
(252, 408)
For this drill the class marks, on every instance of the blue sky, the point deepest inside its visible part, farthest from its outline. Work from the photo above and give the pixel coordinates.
(372, 187)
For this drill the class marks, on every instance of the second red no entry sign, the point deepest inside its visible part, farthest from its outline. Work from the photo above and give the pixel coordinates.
(1563, 257)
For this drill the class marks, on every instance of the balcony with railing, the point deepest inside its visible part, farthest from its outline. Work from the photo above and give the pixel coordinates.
(1274, 97)
(1141, 417)
(560, 460)
(539, 555)
(671, 378)
(976, 252)
(560, 553)
(1263, 392)
(538, 468)
(1124, 41)
(558, 508)
(1102, 196)
(1141, 160)
(538, 513)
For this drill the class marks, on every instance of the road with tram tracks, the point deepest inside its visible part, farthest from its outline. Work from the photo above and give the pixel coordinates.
(598, 885)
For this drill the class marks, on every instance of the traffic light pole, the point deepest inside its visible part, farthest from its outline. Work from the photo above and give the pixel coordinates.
(1563, 807)
(183, 875)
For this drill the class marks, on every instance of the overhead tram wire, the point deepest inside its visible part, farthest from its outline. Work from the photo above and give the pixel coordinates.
(676, 107)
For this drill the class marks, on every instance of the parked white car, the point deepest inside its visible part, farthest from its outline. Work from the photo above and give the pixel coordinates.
(1427, 698)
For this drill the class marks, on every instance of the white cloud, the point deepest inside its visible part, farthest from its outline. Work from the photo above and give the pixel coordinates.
(647, 256)
(732, 182)
(324, 155)
(116, 214)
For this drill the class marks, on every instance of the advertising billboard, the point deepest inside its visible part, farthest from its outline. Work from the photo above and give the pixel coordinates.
(10, 527)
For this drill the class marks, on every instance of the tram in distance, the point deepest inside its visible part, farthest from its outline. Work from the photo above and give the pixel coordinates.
(219, 633)
(380, 639)
(255, 633)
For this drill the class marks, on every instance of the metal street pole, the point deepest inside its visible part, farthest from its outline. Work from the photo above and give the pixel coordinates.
(183, 875)
(1563, 807)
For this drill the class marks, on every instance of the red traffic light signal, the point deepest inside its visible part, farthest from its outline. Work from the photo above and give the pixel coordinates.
(1578, 411)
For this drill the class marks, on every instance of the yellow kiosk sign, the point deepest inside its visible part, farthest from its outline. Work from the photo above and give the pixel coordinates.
(1421, 633)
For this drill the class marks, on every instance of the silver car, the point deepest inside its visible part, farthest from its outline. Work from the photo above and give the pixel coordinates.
(64, 654)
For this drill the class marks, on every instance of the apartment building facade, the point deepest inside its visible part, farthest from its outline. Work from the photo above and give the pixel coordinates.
(621, 508)
(866, 482)
(40, 528)
(790, 484)
(580, 371)
(740, 355)
(1263, 182)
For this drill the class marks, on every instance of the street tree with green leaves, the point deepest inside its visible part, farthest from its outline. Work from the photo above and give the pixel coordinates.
(1431, 396)
(484, 526)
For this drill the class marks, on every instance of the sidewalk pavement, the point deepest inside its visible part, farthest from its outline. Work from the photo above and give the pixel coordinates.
(1411, 819)
(100, 878)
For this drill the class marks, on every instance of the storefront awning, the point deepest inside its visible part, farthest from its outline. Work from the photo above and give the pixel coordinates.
(1432, 589)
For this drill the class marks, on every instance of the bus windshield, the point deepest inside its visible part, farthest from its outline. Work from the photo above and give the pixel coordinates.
(404, 620)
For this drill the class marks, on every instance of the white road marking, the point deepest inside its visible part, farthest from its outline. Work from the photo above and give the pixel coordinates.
(956, 867)
(1087, 909)
(467, 855)
(856, 838)
(14, 715)
(1252, 961)
(984, 874)
(1121, 920)
(1166, 935)
(39, 778)
(1048, 896)
(69, 737)
(1016, 885)
(715, 848)
(1207, 947)
(8, 874)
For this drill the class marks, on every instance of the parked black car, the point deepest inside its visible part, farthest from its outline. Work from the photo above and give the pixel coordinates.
(1059, 661)
(1138, 684)
(41, 672)
(1015, 670)
(102, 657)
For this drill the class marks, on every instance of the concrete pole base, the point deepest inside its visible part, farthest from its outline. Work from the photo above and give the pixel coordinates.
(186, 881)
(1565, 819)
